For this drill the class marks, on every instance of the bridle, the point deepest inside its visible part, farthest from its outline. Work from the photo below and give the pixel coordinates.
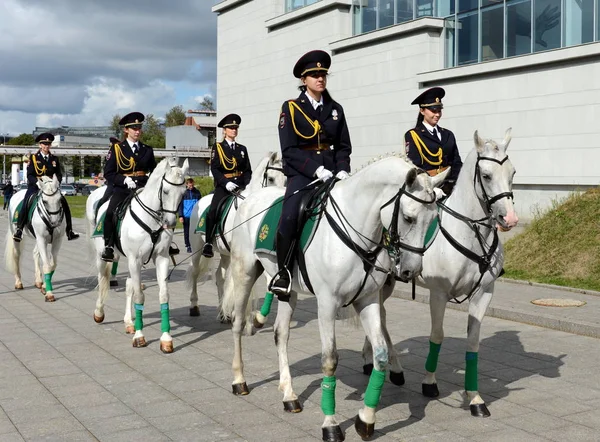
(265, 180)
(489, 201)
(46, 214)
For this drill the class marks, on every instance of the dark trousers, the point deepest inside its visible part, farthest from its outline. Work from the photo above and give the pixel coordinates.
(109, 222)
(288, 225)
(31, 190)
(6, 201)
(186, 231)
(219, 195)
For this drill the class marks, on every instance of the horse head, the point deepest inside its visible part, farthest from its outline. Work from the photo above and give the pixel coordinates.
(273, 175)
(172, 188)
(51, 199)
(493, 180)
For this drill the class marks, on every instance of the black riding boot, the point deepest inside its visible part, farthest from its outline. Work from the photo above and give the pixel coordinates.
(207, 250)
(281, 284)
(21, 221)
(67, 210)
(109, 239)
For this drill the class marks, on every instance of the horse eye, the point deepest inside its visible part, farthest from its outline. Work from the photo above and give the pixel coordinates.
(408, 219)
(271, 180)
(487, 177)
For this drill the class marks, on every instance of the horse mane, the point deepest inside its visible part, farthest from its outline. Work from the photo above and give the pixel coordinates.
(402, 155)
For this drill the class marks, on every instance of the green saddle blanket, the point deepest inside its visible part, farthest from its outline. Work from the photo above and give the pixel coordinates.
(267, 231)
(99, 230)
(32, 204)
(201, 227)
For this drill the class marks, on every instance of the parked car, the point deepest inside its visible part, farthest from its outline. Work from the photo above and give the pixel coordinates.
(79, 186)
(68, 190)
(88, 189)
(21, 187)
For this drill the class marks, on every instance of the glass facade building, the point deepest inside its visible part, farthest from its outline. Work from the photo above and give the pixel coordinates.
(482, 30)
(291, 5)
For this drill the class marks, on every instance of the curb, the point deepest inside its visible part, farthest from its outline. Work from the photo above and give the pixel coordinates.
(550, 286)
(578, 328)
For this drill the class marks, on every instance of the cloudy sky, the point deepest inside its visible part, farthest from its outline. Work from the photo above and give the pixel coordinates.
(74, 62)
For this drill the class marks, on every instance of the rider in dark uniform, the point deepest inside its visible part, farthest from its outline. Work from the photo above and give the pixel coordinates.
(42, 163)
(315, 143)
(230, 167)
(429, 146)
(128, 164)
(109, 187)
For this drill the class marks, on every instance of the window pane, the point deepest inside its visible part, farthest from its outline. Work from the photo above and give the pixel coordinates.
(424, 8)
(386, 13)
(518, 27)
(449, 26)
(369, 15)
(467, 38)
(445, 8)
(467, 5)
(404, 11)
(356, 22)
(492, 33)
(546, 26)
(579, 21)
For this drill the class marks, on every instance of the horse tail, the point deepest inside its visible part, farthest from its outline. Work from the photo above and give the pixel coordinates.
(11, 254)
(229, 298)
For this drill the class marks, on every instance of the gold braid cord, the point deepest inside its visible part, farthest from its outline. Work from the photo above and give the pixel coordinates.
(39, 171)
(421, 146)
(124, 164)
(314, 123)
(228, 163)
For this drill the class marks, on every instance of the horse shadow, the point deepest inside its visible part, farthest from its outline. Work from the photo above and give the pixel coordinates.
(498, 370)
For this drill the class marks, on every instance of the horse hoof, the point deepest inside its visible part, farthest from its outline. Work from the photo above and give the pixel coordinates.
(225, 321)
(256, 323)
(368, 369)
(292, 406)
(397, 378)
(143, 286)
(333, 434)
(430, 390)
(50, 298)
(19, 286)
(139, 342)
(129, 329)
(364, 430)
(39, 285)
(166, 346)
(480, 410)
(195, 311)
(98, 319)
(240, 389)
(114, 283)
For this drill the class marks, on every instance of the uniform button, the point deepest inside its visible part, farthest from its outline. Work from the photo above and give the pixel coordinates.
(318, 152)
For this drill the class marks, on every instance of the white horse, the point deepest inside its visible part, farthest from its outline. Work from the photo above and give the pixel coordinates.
(146, 233)
(465, 258)
(48, 225)
(348, 269)
(268, 173)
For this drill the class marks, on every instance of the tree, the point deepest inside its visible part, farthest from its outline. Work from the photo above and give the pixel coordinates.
(207, 103)
(153, 133)
(175, 117)
(114, 125)
(23, 140)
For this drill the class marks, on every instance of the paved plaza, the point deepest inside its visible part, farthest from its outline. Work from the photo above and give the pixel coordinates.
(65, 378)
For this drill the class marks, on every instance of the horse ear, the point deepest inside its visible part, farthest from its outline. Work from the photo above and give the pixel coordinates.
(273, 157)
(438, 179)
(411, 177)
(185, 167)
(55, 180)
(507, 138)
(39, 183)
(479, 143)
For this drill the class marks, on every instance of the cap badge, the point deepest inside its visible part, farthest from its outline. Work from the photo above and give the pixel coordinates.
(437, 100)
(318, 64)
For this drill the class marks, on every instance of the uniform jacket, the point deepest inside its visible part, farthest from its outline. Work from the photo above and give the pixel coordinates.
(38, 168)
(450, 153)
(121, 161)
(219, 170)
(296, 131)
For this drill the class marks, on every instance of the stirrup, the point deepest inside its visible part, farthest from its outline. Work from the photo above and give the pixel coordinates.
(207, 250)
(108, 254)
(278, 286)
(18, 235)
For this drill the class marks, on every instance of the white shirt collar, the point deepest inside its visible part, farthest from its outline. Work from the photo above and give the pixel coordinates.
(131, 143)
(429, 127)
(314, 102)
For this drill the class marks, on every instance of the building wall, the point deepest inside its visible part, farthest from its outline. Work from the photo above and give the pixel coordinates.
(185, 137)
(550, 99)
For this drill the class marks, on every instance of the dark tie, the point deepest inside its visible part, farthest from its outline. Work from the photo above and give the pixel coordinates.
(435, 133)
(45, 158)
(232, 146)
(135, 148)
(319, 109)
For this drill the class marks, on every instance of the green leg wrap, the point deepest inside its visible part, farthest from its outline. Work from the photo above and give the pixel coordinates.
(471, 372)
(115, 267)
(432, 357)
(328, 395)
(48, 280)
(373, 393)
(165, 325)
(266, 307)
(52, 274)
(139, 322)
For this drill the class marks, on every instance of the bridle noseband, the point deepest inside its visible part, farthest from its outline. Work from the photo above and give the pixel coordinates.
(489, 201)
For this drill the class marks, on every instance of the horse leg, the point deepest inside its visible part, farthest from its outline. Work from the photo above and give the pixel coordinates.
(281, 329)
(329, 359)
(192, 274)
(113, 274)
(133, 286)
(47, 265)
(477, 308)
(220, 281)
(39, 279)
(103, 277)
(162, 273)
(437, 308)
(261, 316)
(371, 317)
(12, 256)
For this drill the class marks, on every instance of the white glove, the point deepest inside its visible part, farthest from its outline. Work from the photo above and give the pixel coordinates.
(323, 174)
(342, 175)
(439, 193)
(130, 183)
(231, 186)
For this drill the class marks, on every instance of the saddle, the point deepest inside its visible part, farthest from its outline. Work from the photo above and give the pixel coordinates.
(222, 211)
(32, 203)
(117, 218)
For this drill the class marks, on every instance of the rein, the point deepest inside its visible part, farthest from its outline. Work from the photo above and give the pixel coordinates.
(484, 260)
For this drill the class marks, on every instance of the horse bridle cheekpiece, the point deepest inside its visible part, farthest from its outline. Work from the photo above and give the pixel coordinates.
(265, 181)
(489, 201)
(45, 214)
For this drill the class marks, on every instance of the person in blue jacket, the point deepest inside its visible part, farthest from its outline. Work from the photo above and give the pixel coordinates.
(190, 198)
